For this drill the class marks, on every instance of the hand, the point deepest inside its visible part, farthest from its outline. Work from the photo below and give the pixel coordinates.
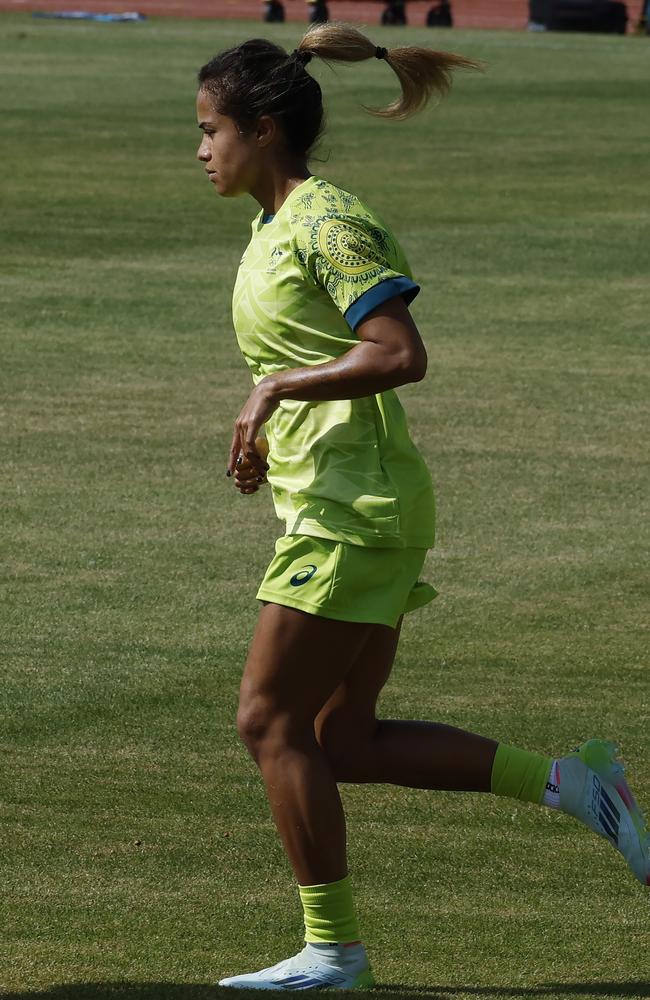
(247, 479)
(259, 406)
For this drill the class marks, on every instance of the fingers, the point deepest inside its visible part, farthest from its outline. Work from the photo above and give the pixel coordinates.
(247, 457)
(247, 430)
(244, 469)
(235, 450)
(244, 449)
(253, 457)
(246, 478)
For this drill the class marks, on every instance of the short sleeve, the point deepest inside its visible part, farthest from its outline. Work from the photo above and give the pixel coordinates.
(356, 262)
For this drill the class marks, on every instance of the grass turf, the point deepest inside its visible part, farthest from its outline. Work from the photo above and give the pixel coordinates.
(140, 857)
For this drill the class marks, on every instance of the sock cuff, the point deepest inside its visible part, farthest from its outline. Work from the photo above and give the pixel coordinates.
(330, 887)
(329, 912)
(520, 774)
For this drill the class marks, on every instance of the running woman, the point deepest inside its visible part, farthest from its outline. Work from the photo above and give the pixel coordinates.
(321, 315)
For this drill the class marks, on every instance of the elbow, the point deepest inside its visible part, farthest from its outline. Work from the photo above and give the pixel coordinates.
(403, 364)
(415, 366)
(419, 369)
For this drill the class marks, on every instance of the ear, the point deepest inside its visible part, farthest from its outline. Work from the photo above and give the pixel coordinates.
(266, 130)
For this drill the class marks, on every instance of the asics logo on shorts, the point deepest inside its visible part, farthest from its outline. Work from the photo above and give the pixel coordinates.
(303, 575)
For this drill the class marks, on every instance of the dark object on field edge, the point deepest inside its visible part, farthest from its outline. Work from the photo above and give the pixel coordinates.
(606, 16)
(642, 27)
(274, 12)
(395, 12)
(440, 16)
(319, 14)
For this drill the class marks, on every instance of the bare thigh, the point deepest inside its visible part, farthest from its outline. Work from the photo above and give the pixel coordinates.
(295, 664)
(347, 721)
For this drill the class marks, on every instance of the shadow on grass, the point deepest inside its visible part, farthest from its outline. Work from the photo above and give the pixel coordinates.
(631, 988)
(200, 991)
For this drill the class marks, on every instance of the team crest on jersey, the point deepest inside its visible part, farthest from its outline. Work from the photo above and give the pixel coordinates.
(274, 258)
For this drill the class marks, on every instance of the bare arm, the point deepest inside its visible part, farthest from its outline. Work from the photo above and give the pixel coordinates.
(390, 353)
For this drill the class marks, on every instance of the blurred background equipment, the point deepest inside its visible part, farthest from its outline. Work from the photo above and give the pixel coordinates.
(467, 14)
(319, 14)
(273, 11)
(608, 16)
(85, 15)
(395, 12)
(440, 16)
(642, 26)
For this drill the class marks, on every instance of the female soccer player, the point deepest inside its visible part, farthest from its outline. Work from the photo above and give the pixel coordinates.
(321, 316)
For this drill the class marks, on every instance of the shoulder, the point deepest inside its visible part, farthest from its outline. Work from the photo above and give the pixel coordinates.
(330, 222)
(322, 195)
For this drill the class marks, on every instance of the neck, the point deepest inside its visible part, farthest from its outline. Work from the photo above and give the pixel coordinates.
(275, 183)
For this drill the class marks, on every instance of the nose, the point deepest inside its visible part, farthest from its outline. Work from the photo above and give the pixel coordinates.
(203, 153)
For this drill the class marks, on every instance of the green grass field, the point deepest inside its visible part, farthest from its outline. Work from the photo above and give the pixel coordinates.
(139, 858)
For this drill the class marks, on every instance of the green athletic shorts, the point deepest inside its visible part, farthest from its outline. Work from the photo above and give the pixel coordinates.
(351, 583)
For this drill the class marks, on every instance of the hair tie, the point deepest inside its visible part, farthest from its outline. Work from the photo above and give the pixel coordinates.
(302, 55)
(381, 53)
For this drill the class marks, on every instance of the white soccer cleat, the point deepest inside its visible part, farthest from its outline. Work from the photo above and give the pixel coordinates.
(317, 966)
(594, 790)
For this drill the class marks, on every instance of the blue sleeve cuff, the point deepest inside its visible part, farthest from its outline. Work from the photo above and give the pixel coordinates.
(374, 297)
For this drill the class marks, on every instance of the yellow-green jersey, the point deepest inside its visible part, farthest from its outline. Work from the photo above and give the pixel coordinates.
(342, 469)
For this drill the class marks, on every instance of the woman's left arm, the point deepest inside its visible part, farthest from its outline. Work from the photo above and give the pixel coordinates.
(390, 353)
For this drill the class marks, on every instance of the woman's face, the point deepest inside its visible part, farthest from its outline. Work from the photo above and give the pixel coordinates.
(231, 159)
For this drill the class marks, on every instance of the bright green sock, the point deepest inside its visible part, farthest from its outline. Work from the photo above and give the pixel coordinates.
(329, 912)
(520, 774)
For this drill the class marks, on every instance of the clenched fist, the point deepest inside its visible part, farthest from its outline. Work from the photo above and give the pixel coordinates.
(247, 478)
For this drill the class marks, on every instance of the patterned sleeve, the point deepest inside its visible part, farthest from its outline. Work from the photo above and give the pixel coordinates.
(356, 262)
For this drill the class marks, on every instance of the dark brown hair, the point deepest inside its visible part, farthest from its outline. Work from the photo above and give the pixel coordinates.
(259, 78)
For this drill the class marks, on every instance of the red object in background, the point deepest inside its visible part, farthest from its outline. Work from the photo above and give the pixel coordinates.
(467, 13)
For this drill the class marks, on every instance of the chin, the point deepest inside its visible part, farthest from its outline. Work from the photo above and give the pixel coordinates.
(224, 192)
(228, 189)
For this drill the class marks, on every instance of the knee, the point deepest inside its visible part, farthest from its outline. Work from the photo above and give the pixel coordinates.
(254, 720)
(262, 725)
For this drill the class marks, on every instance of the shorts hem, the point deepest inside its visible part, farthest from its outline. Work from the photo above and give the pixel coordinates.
(325, 611)
(367, 540)
(380, 540)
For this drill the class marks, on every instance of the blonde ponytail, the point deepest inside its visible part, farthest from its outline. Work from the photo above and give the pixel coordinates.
(421, 72)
